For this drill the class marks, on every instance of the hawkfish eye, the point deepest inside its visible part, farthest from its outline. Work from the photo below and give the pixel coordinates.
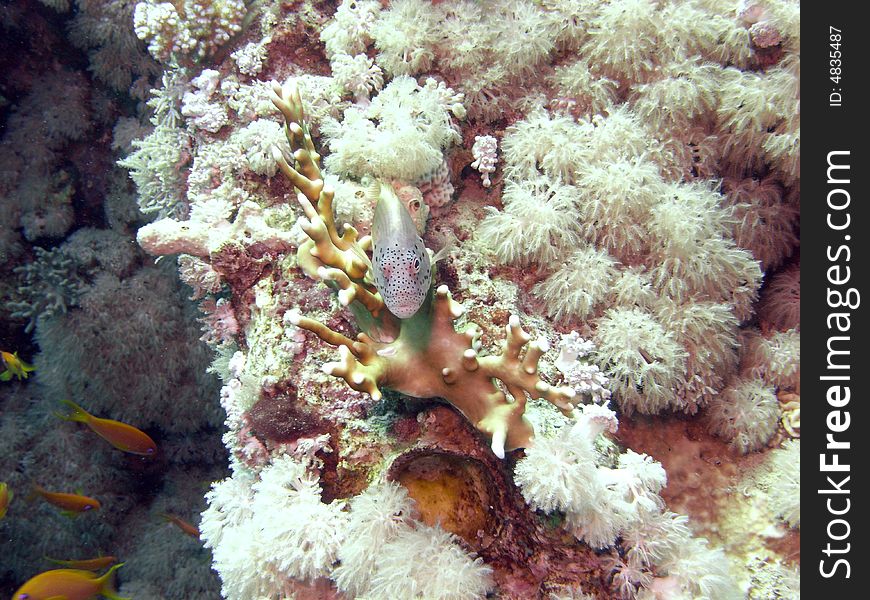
(416, 263)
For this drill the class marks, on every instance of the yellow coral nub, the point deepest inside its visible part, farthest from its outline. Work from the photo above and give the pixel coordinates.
(353, 373)
(498, 440)
(469, 360)
(445, 307)
(516, 338)
(533, 354)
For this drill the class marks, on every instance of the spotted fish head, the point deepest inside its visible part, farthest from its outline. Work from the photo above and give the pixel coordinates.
(403, 274)
(401, 266)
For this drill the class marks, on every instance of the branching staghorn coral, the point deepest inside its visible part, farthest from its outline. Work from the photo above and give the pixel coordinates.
(423, 356)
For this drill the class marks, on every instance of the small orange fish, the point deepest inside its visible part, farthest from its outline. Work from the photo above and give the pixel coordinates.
(14, 367)
(183, 525)
(120, 435)
(69, 584)
(71, 504)
(5, 498)
(88, 564)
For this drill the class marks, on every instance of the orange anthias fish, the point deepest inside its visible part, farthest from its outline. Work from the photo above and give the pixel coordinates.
(88, 564)
(71, 504)
(183, 525)
(120, 435)
(14, 367)
(5, 498)
(68, 584)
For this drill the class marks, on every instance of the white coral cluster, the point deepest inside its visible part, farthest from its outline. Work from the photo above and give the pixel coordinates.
(567, 474)
(195, 31)
(605, 504)
(196, 104)
(250, 57)
(645, 249)
(746, 414)
(256, 140)
(349, 31)
(389, 554)
(357, 75)
(586, 378)
(271, 531)
(266, 531)
(484, 151)
(774, 357)
(401, 135)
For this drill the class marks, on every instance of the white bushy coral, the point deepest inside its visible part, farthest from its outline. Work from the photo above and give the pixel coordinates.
(567, 474)
(405, 36)
(580, 283)
(388, 554)
(780, 477)
(580, 90)
(544, 143)
(190, 28)
(685, 566)
(265, 532)
(257, 140)
(774, 357)
(643, 360)
(680, 93)
(156, 168)
(536, 224)
(746, 414)
(300, 534)
(693, 256)
(707, 331)
(605, 505)
(617, 199)
(349, 31)
(623, 38)
(401, 135)
(357, 75)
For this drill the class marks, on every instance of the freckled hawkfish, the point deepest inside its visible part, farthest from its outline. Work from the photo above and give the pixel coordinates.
(401, 264)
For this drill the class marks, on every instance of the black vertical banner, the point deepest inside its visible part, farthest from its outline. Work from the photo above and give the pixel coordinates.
(835, 265)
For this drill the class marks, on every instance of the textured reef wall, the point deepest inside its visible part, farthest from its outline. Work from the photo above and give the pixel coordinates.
(102, 324)
(600, 394)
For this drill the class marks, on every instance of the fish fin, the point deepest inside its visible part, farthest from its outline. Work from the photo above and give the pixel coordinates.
(57, 598)
(6, 375)
(35, 490)
(107, 587)
(69, 514)
(76, 412)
